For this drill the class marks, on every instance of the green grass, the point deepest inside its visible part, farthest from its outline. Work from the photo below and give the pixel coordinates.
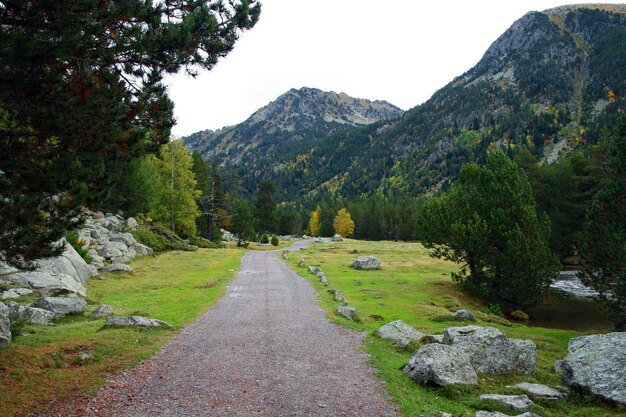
(43, 365)
(417, 289)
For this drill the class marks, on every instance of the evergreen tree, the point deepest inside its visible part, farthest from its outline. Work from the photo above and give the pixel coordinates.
(242, 221)
(266, 207)
(488, 222)
(81, 95)
(212, 199)
(603, 241)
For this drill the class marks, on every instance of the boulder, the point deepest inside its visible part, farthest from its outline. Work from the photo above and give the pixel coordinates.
(489, 351)
(285, 255)
(499, 414)
(322, 277)
(440, 365)
(301, 263)
(134, 321)
(337, 238)
(5, 326)
(15, 293)
(539, 391)
(69, 263)
(118, 267)
(347, 312)
(366, 262)
(132, 224)
(125, 238)
(433, 338)
(512, 402)
(46, 283)
(103, 310)
(314, 269)
(143, 250)
(5, 268)
(596, 364)
(464, 314)
(113, 250)
(401, 332)
(30, 314)
(62, 306)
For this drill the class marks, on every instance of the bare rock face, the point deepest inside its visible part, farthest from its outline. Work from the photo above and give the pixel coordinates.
(69, 263)
(401, 332)
(597, 364)
(366, 262)
(5, 326)
(440, 365)
(47, 283)
(134, 321)
(62, 306)
(492, 352)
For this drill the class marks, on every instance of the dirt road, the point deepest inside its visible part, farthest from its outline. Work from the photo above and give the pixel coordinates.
(264, 349)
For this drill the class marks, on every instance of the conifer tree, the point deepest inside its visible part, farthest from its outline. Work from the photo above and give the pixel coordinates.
(266, 207)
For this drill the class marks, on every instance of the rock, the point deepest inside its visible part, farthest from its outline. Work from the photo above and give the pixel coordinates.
(85, 356)
(322, 277)
(112, 223)
(103, 310)
(464, 315)
(132, 224)
(47, 284)
(314, 269)
(489, 351)
(5, 268)
(30, 314)
(337, 238)
(512, 402)
(134, 321)
(62, 306)
(16, 293)
(539, 391)
(348, 312)
(440, 365)
(125, 238)
(5, 326)
(596, 364)
(301, 263)
(285, 255)
(114, 250)
(366, 262)
(69, 263)
(558, 366)
(143, 250)
(118, 267)
(498, 414)
(401, 332)
(433, 338)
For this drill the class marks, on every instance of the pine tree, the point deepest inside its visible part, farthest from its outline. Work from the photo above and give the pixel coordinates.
(81, 95)
(212, 199)
(266, 207)
(242, 221)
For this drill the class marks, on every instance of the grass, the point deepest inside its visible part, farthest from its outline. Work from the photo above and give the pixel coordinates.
(44, 365)
(417, 289)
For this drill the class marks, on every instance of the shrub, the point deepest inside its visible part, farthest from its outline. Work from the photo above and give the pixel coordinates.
(519, 315)
(495, 309)
(265, 239)
(72, 239)
(160, 238)
(275, 240)
(205, 243)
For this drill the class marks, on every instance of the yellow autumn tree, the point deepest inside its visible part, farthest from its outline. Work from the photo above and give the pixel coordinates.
(344, 225)
(314, 222)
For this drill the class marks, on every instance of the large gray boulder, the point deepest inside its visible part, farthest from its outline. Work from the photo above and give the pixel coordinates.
(539, 391)
(62, 306)
(440, 365)
(347, 312)
(401, 332)
(5, 326)
(337, 238)
(5, 268)
(125, 238)
(103, 310)
(118, 267)
(366, 262)
(134, 321)
(512, 402)
(142, 250)
(597, 364)
(114, 250)
(464, 314)
(69, 263)
(47, 283)
(489, 351)
(30, 314)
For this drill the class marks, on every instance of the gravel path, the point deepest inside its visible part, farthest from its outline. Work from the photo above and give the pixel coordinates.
(264, 349)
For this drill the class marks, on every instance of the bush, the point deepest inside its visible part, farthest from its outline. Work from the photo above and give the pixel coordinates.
(265, 239)
(519, 315)
(160, 238)
(205, 243)
(495, 309)
(275, 240)
(72, 239)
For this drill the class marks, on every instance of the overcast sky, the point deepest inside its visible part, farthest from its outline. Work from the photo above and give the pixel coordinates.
(400, 51)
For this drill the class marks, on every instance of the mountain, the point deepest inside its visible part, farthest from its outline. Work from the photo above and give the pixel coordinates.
(554, 81)
(275, 136)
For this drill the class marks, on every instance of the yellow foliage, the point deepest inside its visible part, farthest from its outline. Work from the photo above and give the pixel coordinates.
(344, 225)
(314, 222)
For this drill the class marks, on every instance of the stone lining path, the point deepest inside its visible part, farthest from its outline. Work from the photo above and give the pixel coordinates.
(264, 349)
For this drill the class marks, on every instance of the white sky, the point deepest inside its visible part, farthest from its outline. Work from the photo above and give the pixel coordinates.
(400, 51)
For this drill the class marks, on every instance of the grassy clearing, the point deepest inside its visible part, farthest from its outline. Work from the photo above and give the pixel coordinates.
(44, 365)
(417, 289)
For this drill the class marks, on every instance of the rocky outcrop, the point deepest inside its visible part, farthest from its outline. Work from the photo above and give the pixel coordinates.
(47, 283)
(32, 315)
(62, 306)
(596, 364)
(134, 321)
(69, 263)
(512, 402)
(366, 262)
(489, 351)
(401, 332)
(436, 364)
(543, 392)
(5, 326)
(15, 293)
